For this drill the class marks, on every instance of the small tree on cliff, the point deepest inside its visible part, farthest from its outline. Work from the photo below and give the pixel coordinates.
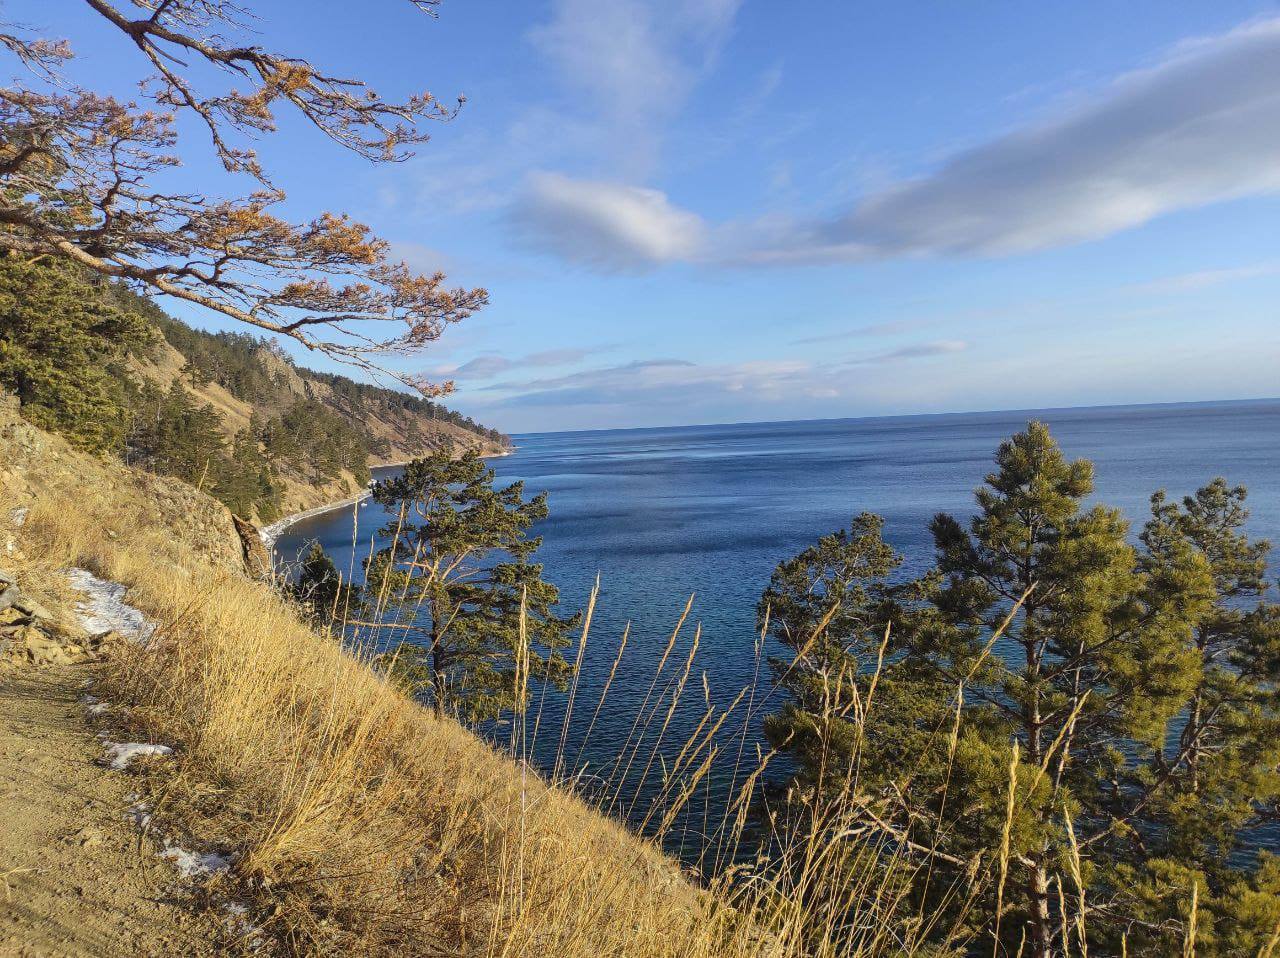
(458, 578)
(1132, 699)
(319, 589)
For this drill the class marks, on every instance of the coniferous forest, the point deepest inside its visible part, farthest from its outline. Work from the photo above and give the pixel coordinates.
(75, 350)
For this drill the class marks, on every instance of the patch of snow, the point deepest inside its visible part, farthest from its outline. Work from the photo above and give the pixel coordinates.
(139, 813)
(120, 754)
(98, 708)
(194, 864)
(105, 609)
(18, 516)
(238, 923)
(89, 699)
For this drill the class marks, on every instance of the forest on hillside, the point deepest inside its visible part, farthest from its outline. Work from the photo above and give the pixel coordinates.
(70, 348)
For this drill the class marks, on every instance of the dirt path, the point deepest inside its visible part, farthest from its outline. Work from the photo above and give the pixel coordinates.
(76, 878)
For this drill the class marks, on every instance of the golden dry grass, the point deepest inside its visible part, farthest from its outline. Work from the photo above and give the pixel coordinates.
(364, 825)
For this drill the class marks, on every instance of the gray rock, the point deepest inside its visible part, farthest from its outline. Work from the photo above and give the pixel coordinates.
(9, 595)
(33, 608)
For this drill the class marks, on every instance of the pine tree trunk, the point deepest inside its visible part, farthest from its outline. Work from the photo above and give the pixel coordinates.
(1041, 926)
(1038, 886)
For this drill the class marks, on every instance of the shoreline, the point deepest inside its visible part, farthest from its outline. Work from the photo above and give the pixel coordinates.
(271, 534)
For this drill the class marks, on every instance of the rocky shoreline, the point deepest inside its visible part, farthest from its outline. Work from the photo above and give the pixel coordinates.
(271, 534)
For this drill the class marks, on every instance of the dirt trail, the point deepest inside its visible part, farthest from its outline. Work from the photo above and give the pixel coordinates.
(76, 878)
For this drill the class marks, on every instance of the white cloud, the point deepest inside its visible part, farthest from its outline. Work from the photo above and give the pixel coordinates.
(634, 61)
(606, 225)
(1200, 127)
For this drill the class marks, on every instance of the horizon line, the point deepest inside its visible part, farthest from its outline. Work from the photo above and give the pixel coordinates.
(922, 415)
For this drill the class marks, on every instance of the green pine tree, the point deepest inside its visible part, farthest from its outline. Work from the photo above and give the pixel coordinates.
(832, 606)
(319, 589)
(1138, 685)
(62, 347)
(457, 577)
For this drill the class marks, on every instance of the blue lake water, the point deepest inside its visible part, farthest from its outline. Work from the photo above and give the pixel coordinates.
(661, 514)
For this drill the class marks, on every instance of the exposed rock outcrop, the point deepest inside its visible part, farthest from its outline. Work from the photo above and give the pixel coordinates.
(31, 635)
(256, 560)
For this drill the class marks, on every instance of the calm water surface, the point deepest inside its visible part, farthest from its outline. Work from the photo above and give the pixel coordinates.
(661, 514)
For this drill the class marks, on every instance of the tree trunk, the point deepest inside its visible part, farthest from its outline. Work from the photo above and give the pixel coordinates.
(1041, 939)
(437, 663)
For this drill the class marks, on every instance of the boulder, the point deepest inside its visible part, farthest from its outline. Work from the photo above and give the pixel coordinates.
(33, 647)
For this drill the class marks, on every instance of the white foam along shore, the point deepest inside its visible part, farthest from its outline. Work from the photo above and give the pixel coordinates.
(274, 531)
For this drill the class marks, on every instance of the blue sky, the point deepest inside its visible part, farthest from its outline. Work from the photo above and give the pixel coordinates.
(727, 210)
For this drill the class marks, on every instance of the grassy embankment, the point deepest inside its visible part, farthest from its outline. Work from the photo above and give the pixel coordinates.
(364, 825)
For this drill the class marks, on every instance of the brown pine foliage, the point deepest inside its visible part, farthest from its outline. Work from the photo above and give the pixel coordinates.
(85, 177)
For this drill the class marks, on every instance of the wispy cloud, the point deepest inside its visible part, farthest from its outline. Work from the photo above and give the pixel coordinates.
(605, 225)
(1205, 278)
(490, 365)
(939, 347)
(1201, 126)
(666, 382)
(870, 329)
(634, 62)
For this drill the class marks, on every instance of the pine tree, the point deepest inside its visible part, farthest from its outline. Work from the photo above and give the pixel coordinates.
(319, 589)
(458, 575)
(185, 440)
(244, 482)
(1138, 686)
(1215, 778)
(831, 605)
(62, 344)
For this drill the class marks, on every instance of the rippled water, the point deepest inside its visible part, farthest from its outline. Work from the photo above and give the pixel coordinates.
(663, 513)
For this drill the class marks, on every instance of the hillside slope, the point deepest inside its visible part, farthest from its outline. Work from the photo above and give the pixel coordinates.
(353, 821)
(249, 384)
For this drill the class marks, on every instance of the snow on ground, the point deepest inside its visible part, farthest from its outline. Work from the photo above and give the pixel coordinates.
(93, 706)
(139, 813)
(194, 864)
(239, 923)
(120, 754)
(104, 609)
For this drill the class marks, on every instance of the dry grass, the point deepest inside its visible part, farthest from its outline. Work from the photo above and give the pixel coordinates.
(364, 825)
